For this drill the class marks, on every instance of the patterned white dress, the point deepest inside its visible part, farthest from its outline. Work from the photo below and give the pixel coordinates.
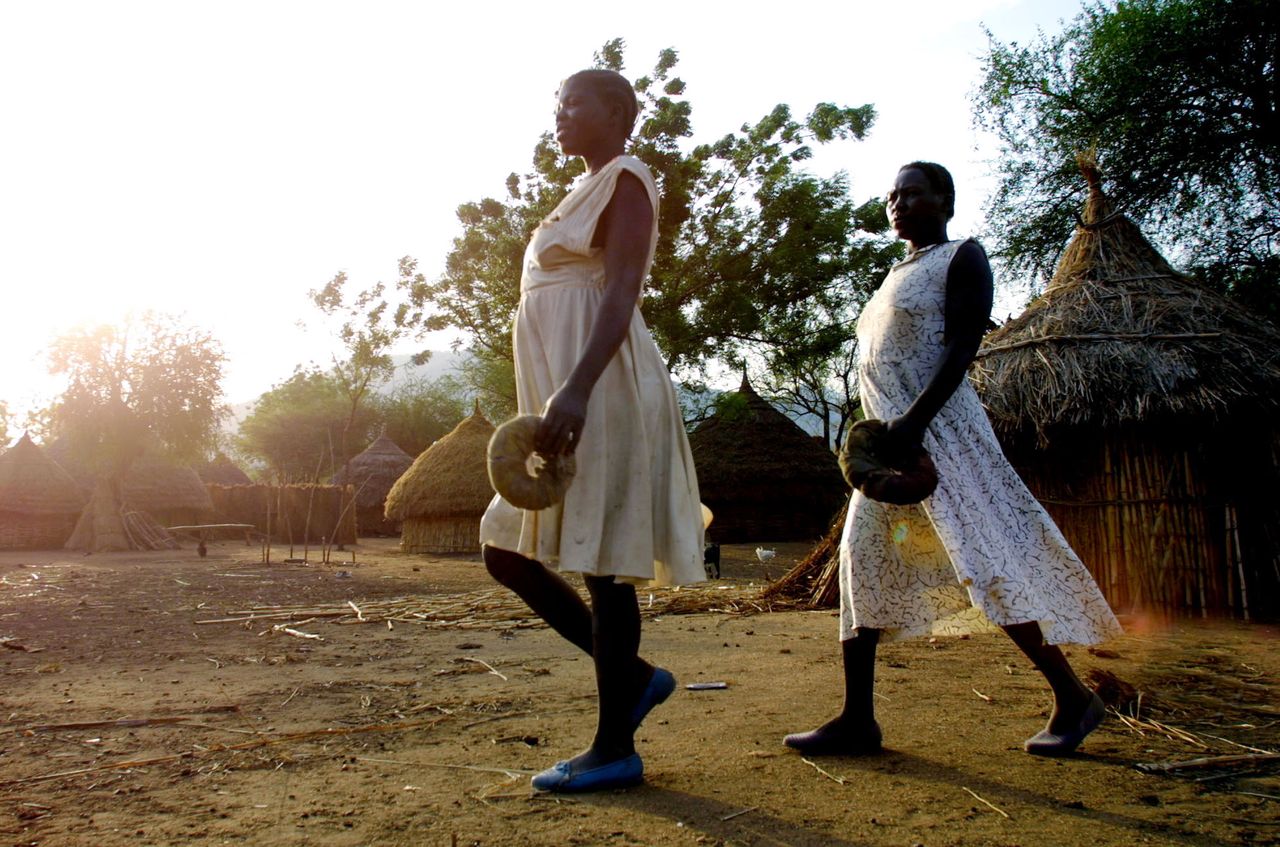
(632, 510)
(980, 551)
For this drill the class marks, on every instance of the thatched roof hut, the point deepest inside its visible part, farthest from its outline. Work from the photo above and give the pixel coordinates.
(762, 476)
(1141, 408)
(442, 497)
(222, 471)
(170, 492)
(39, 501)
(372, 473)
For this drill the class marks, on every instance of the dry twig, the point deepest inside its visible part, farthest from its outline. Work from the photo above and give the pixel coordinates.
(986, 802)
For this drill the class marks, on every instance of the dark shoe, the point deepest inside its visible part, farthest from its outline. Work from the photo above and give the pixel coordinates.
(660, 686)
(561, 776)
(831, 740)
(1046, 743)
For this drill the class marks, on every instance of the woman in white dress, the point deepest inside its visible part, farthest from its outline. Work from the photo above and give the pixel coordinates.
(586, 362)
(979, 551)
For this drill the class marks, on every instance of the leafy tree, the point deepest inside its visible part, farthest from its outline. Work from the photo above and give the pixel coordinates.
(151, 378)
(1178, 98)
(368, 328)
(751, 249)
(296, 427)
(420, 411)
(810, 368)
(4, 424)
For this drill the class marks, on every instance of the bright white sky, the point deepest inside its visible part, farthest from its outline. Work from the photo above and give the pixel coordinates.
(218, 160)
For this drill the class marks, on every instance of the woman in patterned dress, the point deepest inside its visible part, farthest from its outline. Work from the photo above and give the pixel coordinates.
(586, 362)
(980, 550)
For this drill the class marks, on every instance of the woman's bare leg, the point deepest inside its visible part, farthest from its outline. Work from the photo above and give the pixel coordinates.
(545, 592)
(1071, 697)
(615, 620)
(556, 602)
(854, 730)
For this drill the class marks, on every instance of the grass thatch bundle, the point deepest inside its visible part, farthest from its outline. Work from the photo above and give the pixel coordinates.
(1119, 337)
(292, 514)
(443, 495)
(762, 476)
(372, 473)
(39, 501)
(814, 581)
(100, 527)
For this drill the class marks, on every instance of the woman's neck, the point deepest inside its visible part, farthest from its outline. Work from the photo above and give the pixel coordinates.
(597, 159)
(923, 240)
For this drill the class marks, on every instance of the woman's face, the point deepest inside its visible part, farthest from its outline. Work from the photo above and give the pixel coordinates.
(583, 119)
(914, 206)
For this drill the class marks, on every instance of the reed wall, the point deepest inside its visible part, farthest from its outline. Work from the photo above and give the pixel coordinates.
(297, 514)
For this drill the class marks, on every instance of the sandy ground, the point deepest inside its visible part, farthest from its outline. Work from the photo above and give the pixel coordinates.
(130, 718)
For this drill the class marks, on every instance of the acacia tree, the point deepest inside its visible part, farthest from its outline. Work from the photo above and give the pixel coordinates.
(420, 411)
(368, 328)
(1179, 100)
(151, 377)
(296, 427)
(751, 250)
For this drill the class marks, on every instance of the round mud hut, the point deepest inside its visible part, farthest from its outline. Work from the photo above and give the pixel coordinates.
(439, 501)
(371, 474)
(761, 475)
(39, 501)
(1141, 408)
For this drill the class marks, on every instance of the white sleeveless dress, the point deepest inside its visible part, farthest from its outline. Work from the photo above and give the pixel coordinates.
(980, 551)
(632, 510)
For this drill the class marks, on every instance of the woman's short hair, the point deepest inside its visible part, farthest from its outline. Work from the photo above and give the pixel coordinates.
(939, 180)
(614, 89)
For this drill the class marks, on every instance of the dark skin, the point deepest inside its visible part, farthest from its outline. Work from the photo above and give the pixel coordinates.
(609, 630)
(919, 214)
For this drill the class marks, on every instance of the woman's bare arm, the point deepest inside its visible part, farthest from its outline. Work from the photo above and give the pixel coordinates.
(626, 224)
(968, 308)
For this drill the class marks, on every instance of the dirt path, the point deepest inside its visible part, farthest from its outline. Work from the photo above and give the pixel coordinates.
(424, 731)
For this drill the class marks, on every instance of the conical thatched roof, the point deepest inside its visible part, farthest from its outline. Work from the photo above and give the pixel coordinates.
(1119, 337)
(222, 471)
(374, 471)
(31, 483)
(450, 478)
(156, 483)
(748, 445)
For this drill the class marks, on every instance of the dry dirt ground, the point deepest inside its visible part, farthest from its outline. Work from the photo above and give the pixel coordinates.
(130, 715)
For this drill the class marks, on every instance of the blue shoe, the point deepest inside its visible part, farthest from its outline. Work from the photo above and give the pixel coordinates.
(1046, 743)
(561, 777)
(660, 686)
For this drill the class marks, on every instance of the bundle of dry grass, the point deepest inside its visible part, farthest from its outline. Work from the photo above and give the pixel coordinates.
(814, 581)
(372, 473)
(761, 475)
(291, 514)
(1140, 408)
(441, 498)
(39, 501)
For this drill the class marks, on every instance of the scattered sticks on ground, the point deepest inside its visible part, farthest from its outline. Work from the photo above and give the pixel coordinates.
(491, 609)
(1246, 760)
